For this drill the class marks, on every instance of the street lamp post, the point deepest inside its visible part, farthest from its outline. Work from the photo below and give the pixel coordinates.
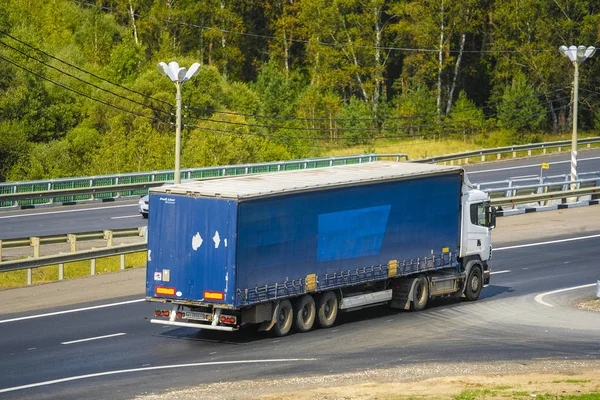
(179, 76)
(577, 55)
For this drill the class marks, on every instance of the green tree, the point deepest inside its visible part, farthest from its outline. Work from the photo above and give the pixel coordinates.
(520, 110)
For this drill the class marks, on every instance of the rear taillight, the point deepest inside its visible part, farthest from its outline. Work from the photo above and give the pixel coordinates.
(224, 319)
(161, 313)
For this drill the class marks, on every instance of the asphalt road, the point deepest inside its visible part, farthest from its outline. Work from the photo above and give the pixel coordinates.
(133, 357)
(123, 214)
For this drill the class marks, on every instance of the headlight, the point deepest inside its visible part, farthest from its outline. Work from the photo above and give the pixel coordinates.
(141, 201)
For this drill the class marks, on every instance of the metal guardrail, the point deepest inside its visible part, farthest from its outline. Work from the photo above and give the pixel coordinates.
(59, 259)
(36, 243)
(71, 190)
(542, 197)
(508, 149)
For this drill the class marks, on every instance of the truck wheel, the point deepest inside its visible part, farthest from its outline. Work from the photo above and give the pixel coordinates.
(420, 294)
(283, 324)
(305, 311)
(327, 309)
(473, 284)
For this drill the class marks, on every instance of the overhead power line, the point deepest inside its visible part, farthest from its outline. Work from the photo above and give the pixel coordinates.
(81, 80)
(79, 93)
(82, 70)
(442, 127)
(294, 118)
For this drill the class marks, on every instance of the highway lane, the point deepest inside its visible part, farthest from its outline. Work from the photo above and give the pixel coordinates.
(123, 214)
(560, 163)
(70, 219)
(505, 324)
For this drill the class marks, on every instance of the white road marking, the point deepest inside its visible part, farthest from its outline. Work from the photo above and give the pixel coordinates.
(549, 242)
(127, 371)
(66, 211)
(528, 166)
(94, 338)
(71, 311)
(524, 176)
(540, 296)
(500, 272)
(127, 216)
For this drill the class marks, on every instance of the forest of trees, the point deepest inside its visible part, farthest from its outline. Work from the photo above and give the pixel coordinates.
(279, 79)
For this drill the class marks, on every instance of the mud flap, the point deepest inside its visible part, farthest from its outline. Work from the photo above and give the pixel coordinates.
(269, 324)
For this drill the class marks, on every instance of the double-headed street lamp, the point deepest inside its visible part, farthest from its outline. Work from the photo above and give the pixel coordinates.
(577, 55)
(179, 76)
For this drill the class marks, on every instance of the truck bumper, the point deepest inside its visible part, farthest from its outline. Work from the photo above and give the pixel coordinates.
(194, 325)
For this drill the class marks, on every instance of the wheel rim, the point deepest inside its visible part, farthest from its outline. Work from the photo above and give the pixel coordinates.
(282, 318)
(475, 283)
(420, 293)
(328, 308)
(305, 313)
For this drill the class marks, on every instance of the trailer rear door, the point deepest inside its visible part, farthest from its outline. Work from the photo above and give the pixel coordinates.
(191, 248)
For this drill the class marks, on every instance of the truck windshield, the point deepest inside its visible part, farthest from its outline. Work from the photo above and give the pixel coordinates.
(481, 214)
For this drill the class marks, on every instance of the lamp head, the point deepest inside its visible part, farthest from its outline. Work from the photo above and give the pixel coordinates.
(176, 73)
(577, 54)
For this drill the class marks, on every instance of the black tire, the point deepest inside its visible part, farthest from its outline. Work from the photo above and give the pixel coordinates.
(145, 215)
(327, 310)
(420, 294)
(283, 323)
(473, 284)
(305, 313)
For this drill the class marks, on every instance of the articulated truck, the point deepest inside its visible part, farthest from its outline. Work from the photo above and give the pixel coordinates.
(291, 250)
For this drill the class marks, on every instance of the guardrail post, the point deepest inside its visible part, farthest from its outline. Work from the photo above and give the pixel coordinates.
(499, 156)
(72, 240)
(122, 261)
(35, 242)
(544, 151)
(514, 154)
(93, 266)
(483, 158)
(61, 271)
(529, 152)
(0, 251)
(108, 236)
(559, 149)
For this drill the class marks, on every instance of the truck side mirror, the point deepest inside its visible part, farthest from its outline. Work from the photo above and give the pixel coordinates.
(493, 217)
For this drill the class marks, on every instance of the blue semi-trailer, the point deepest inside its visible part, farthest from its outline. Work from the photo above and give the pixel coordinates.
(288, 250)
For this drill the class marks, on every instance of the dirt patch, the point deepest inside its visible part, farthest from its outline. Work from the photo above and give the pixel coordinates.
(438, 381)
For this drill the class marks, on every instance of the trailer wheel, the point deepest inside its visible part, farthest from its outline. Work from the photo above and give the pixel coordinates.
(327, 309)
(420, 294)
(304, 312)
(283, 324)
(473, 284)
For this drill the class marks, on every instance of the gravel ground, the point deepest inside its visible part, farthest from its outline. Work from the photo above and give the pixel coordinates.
(484, 380)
